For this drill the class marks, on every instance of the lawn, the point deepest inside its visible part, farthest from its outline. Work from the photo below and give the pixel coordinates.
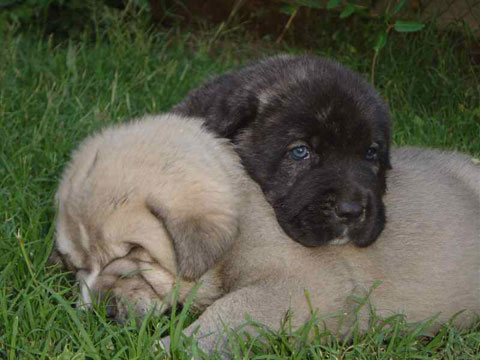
(55, 92)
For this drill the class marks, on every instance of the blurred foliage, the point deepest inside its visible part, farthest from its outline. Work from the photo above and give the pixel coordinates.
(300, 22)
(66, 18)
(392, 17)
(70, 17)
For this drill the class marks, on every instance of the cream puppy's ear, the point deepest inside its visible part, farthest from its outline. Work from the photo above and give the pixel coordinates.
(202, 231)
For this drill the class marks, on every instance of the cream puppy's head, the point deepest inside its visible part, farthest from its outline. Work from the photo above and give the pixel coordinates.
(152, 200)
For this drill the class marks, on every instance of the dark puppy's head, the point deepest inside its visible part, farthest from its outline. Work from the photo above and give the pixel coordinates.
(316, 137)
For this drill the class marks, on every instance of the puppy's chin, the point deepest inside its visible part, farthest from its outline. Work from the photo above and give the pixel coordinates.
(315, 234)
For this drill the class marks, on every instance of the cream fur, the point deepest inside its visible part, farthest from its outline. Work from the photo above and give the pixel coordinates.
(153, 199)
(428, 257)
(127, 186)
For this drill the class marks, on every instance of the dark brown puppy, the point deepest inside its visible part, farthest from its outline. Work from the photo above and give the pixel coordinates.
(314, 135)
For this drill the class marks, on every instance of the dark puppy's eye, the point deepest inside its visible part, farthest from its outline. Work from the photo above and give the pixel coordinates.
(371, 153)
(301, 152)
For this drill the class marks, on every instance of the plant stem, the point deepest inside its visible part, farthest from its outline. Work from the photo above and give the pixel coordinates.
(375, 57)
(287, 26)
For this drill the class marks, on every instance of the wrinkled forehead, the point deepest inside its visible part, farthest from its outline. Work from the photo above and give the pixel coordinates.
(339, 127)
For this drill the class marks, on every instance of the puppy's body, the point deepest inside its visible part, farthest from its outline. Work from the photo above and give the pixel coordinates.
(154, 199)
(314, 135)
(428, 257)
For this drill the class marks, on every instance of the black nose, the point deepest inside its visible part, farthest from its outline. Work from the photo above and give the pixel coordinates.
(350, 211)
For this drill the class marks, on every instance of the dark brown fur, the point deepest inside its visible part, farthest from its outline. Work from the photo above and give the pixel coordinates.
(274, 107)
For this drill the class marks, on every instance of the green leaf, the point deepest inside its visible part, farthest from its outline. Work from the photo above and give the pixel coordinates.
(314, 4)
(399, 7)
(408, 26)
(348, 11)
(287, 9)
(380, 41)
(333, 4)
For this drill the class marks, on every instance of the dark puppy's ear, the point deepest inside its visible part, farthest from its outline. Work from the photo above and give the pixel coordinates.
(225, 104)
(384, 121)
(388, 137)
(200, 239)
(388, 164)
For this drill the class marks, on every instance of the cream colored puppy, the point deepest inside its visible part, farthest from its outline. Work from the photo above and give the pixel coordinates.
(427, 258)
(144, 202)
(130, 200)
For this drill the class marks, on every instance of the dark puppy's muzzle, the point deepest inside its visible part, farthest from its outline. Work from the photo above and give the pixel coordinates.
(330, 203)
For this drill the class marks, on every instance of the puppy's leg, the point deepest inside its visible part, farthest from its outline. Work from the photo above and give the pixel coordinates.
(265, 305)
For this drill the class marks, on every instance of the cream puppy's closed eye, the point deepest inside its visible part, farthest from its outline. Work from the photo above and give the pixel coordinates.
(153, 199)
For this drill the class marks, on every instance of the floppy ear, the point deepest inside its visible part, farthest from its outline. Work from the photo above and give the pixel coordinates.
(224, 103)
(201, 234)
(388, 164)
(388, 136)
(384, 122)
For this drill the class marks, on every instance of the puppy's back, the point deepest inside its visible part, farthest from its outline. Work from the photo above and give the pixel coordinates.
(459, 168)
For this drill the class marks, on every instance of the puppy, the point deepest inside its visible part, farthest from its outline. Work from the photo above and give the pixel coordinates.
(427, 258)
(315, 137)
(143, 203)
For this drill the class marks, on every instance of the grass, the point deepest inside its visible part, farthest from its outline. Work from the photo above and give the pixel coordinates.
(53, 93)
